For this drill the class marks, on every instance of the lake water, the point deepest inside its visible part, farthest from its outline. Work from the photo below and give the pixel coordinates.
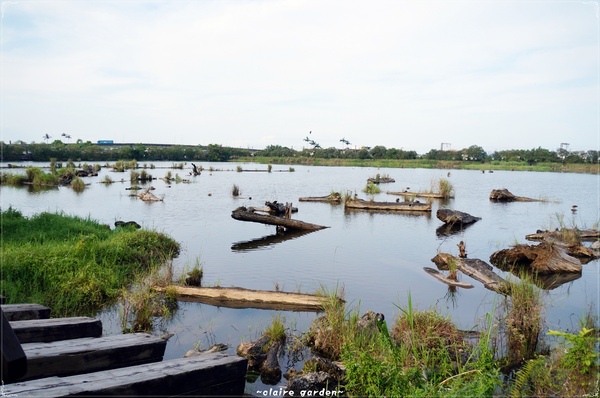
(377, 258)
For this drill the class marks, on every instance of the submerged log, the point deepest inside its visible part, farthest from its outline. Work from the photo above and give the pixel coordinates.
(504, 195)
(243, 214)
(475, 268)
(235, 297)
(392, 206)
(334, 197)
(544, 258)
(455, 217)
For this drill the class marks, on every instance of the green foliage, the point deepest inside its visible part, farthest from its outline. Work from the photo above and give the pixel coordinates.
(74, 265)
(276, 331)
(372, 189)
(77, 184)
(582, 354)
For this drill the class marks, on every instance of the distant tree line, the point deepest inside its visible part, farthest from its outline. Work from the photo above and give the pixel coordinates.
(88, 151)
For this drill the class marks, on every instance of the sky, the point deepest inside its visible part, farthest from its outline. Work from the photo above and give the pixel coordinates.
(252, 73)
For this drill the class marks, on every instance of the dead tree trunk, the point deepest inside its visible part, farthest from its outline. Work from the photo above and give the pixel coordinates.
(243, 214)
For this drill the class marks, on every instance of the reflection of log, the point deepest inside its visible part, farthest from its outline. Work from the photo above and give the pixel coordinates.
(242, 214)
(266, 241)
(455, 217)
(392, 206)
(334, 197)
(543, 281)
(474, 268)
(450, 229)
(503, 195)
(544, 258)
(235, 297)
(439, 276)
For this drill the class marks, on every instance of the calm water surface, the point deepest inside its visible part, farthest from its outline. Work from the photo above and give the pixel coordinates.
(377, 258)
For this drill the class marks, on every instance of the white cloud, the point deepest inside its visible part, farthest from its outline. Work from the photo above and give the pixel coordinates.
(253, 73)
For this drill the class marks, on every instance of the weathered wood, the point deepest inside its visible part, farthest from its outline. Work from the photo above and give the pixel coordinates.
(544, 258)
(21, 312)
(439, 276)
(449, 216)
(278, 209)
(235, 297)
(77, 356)
(475, 268)
(391, 206)
(242, 214)
(504, 195)
(148, 196)
(54, 329)
(583, 234)
(334, 197)
(205, 375)
(14, 361)
(428, 195)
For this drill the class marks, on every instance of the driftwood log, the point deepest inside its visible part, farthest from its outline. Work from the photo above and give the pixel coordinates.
(545, 258)
(334, 197)
(455, 217)
(475, 268)
(235, 297)
(504, 195)
(243, 214)
(388, 206)
(441, 277)
(429, 195)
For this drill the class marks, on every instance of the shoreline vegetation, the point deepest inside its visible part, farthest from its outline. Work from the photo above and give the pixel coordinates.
(78, 266)
(471, 158)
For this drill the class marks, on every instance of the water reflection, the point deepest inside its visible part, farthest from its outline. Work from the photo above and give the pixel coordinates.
(267, 241)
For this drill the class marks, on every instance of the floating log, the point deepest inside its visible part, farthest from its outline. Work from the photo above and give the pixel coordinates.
(475, 268)
(504, 195)
(545, 258)
(148, 196)
(392, 206)
(429, 195)
(235, 297)
(334, 197)
(439, 276)
(243, 214)
(204, 375)
(583, 234)
(455, 217)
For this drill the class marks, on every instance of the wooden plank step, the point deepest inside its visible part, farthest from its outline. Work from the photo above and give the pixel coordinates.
(53, 329)
(77, 356)
(21, 312)
(204, 375)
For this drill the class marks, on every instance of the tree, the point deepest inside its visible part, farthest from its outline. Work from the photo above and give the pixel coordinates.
(378, 152)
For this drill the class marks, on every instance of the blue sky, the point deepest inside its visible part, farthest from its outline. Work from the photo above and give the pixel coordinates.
(402, 74)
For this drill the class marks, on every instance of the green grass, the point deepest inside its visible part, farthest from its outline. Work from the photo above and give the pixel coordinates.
(74, 265)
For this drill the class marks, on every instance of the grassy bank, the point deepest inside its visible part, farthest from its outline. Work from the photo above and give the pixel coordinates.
(74, 265)
(423, 354)
(429, 164)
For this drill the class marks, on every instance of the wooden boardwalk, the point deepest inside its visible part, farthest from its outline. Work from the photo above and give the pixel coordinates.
(46, 357)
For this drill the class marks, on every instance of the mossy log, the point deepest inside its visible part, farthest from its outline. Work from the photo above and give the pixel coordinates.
(243, 214)
(388, 206)
(504, 195)
(475, 268)
(545, 258)
(452, 217)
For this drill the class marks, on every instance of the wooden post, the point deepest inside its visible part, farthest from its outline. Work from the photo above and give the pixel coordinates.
(14, 361)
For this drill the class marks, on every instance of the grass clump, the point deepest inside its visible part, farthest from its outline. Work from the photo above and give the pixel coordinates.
(371, 188)
(235, 191)
(74, 265)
